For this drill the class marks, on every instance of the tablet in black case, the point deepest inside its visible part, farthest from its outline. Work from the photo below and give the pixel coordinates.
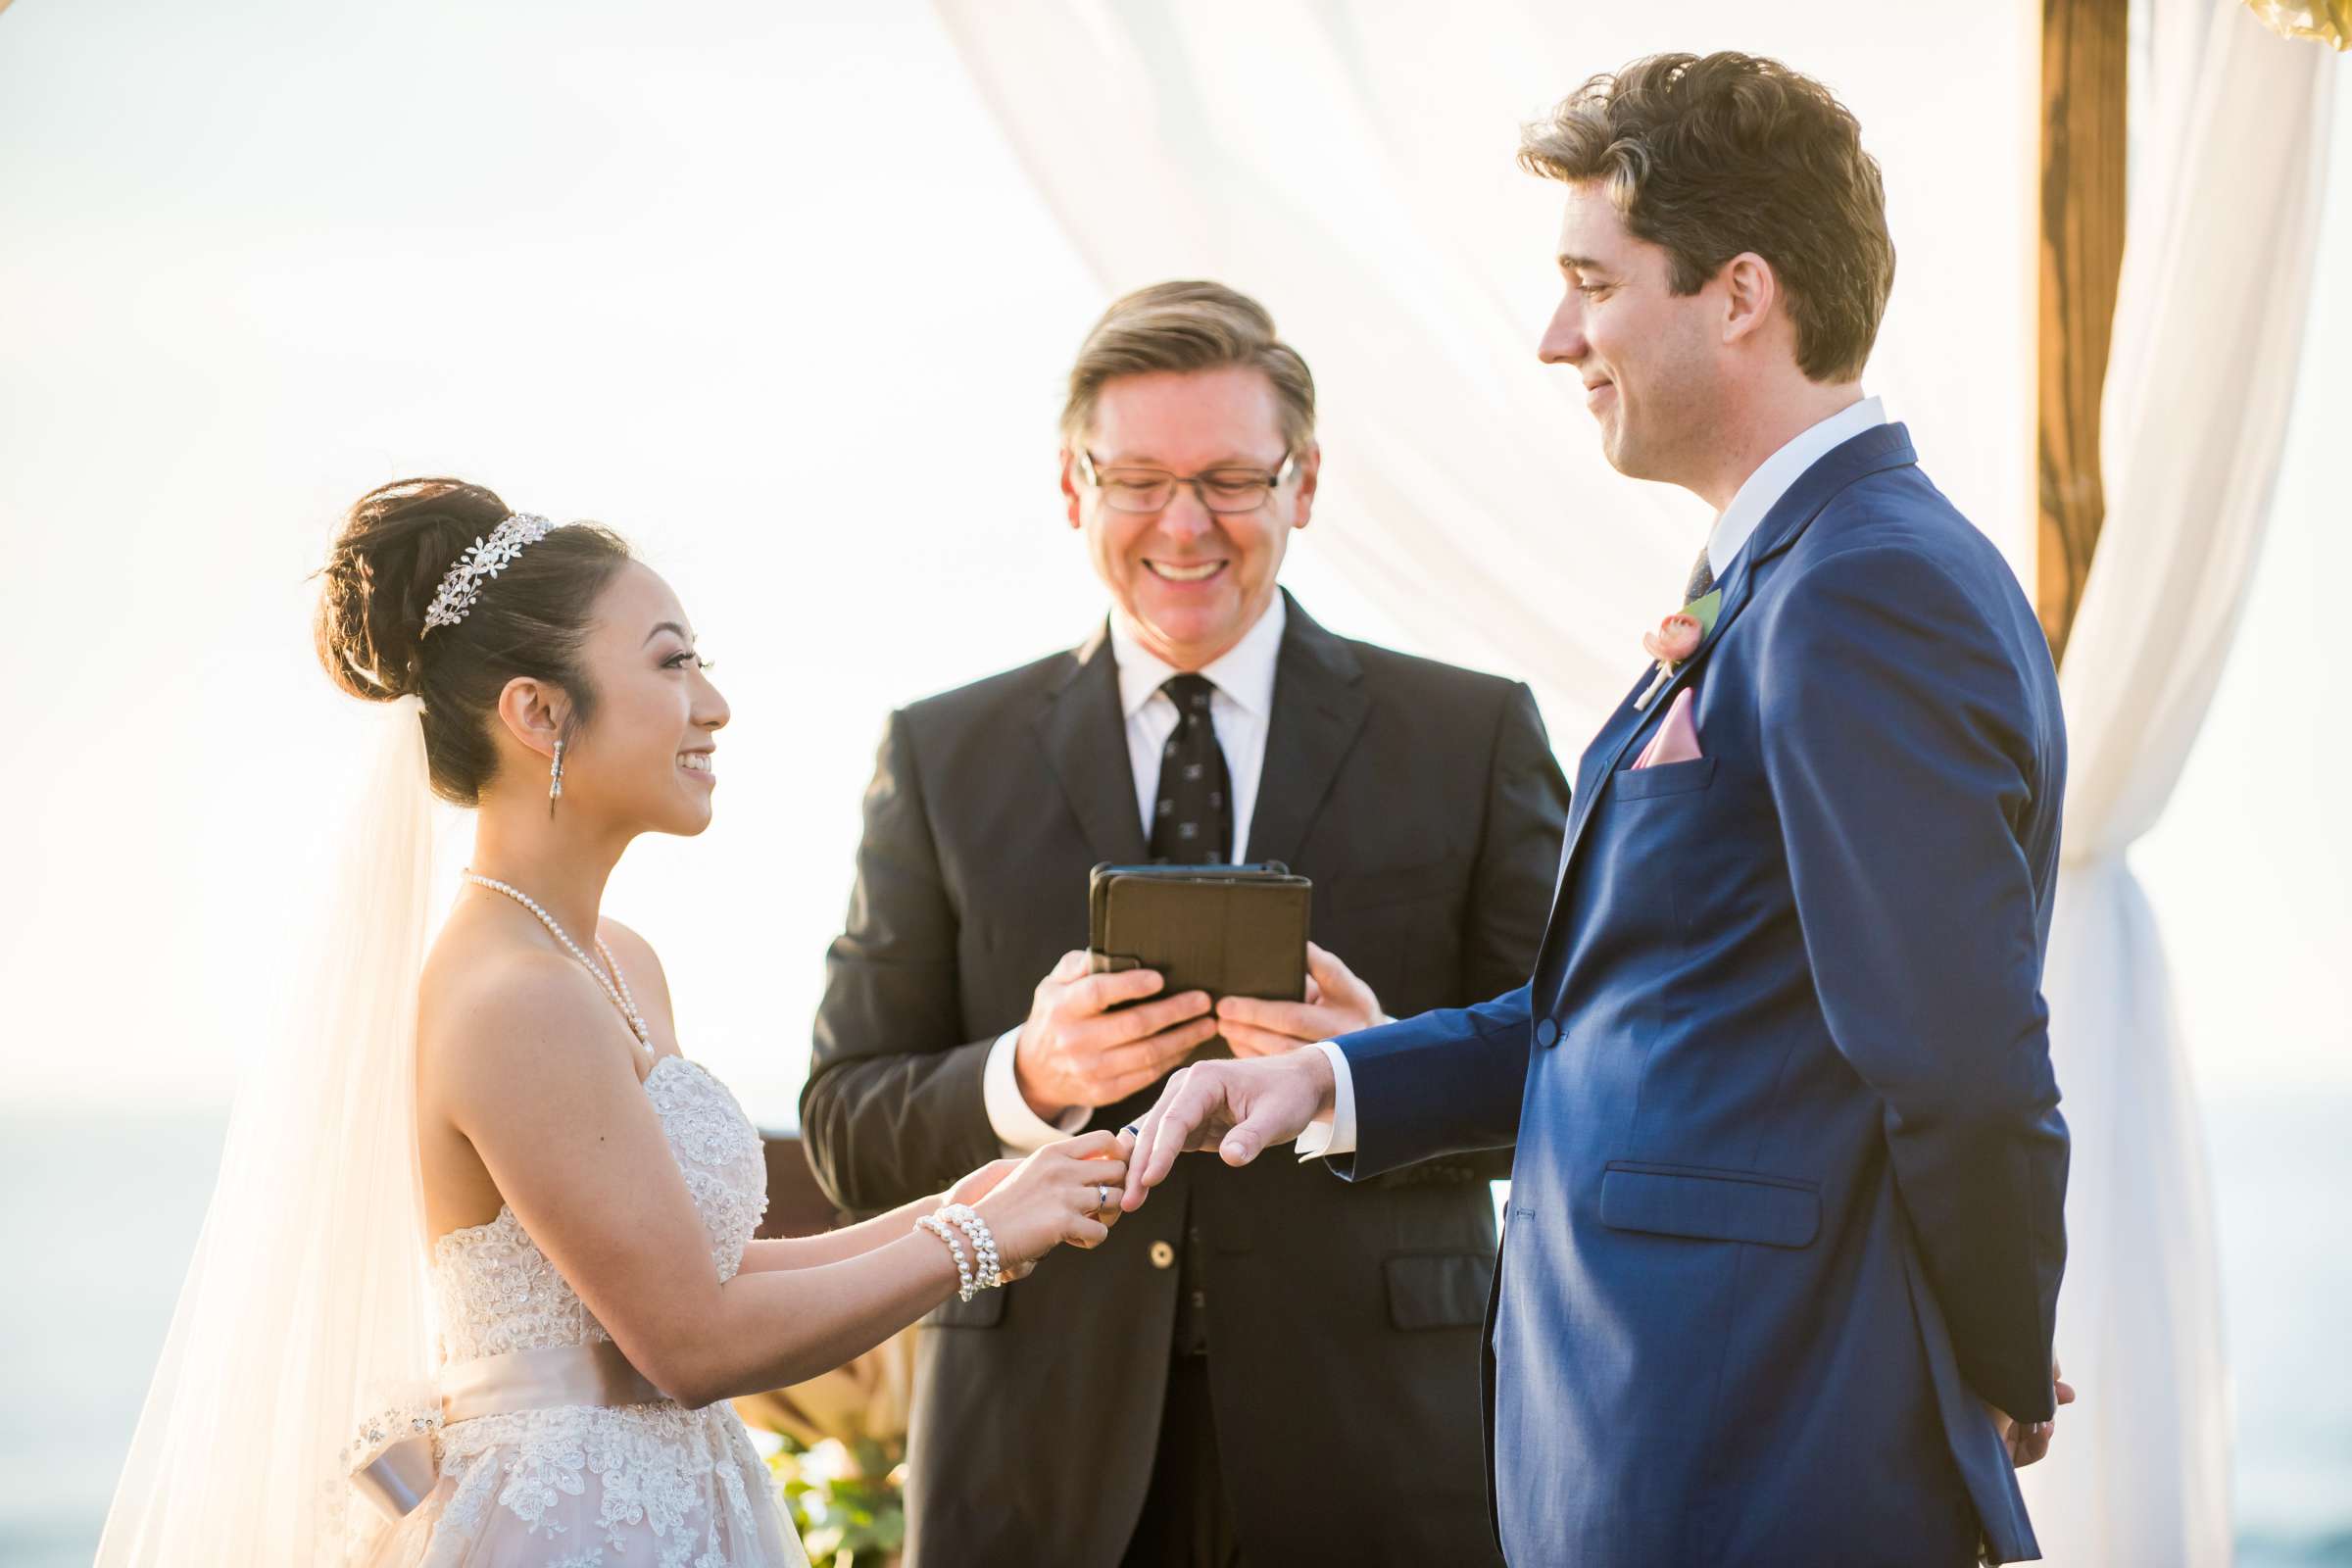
(1229, 930)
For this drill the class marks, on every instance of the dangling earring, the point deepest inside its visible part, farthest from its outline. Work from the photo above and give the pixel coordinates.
(555, 780)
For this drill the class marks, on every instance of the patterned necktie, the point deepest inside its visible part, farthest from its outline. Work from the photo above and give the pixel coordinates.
(1192, 815)
(1702, 581)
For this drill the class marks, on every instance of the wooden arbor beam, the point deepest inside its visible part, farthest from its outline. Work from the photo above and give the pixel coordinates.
(2084, 57)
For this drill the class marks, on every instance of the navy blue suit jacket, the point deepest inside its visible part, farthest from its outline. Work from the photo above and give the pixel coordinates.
(1790, 1165)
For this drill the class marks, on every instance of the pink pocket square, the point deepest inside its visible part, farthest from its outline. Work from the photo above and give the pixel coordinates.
(1677, 739)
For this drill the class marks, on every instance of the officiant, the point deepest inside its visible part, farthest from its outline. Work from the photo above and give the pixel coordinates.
(1256, 1354)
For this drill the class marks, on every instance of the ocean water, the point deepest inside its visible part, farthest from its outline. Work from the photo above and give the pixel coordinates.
(98, 1215)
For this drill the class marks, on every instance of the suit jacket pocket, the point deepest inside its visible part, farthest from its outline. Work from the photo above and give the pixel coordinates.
(983, 1312)
(1718, 1205)
(1668, 778)
(1439, 1290)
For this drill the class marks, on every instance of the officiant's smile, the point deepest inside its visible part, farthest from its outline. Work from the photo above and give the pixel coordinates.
(1186, 485)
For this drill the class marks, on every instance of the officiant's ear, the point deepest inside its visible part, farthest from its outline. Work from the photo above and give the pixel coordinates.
(1750, 290)
(1071, 503)
(536, 714)
(1302, 483)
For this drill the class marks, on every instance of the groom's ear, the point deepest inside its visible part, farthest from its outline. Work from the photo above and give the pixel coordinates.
(533, 713)
(1750, 291)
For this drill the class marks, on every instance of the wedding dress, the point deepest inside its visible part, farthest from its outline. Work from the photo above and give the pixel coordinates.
(598, 1486)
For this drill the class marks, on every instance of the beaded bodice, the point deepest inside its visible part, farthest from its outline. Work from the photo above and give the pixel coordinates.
(496, 1290)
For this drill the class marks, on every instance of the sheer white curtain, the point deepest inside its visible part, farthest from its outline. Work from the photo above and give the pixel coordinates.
(1352, 166)
(2216, 273)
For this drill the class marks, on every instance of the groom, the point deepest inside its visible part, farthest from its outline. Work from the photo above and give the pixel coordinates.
(1784, 1234)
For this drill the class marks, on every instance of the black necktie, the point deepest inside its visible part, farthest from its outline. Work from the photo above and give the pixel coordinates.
(1702, 581)
(1192, 812)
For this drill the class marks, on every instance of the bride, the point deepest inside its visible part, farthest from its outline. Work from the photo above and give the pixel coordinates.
(518, 1097)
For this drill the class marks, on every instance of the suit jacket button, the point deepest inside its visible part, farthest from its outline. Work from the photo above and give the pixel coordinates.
(1162, 1255)
(1548, 1033)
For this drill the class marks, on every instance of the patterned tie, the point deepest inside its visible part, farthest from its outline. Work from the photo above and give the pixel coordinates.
(1192, 819)
(1702, 581)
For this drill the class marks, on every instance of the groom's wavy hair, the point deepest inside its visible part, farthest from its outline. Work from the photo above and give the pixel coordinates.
(381, 575)
(1711, 155)
(1185, 326)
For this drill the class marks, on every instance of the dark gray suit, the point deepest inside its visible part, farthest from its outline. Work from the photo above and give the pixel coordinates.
(1425, 802)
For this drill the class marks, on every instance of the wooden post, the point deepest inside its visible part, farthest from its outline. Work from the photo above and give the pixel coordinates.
(2084, 57)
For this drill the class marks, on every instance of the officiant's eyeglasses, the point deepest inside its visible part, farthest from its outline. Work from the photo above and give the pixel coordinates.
(1223, 490)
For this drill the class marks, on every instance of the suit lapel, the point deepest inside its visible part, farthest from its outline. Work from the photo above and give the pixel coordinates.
(1084, 736)
(1319, 709)
(1872, 452)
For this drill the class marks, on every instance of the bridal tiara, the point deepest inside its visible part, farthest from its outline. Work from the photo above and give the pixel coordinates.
(481, 560)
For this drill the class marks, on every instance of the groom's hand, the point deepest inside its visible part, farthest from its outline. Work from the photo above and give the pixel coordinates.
(1074, 1051)
(2030, 1440)
(1336, 1004)
(1235, 1108)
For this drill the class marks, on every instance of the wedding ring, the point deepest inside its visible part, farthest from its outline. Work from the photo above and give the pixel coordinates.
(1102, 1196)
(1132, 1130)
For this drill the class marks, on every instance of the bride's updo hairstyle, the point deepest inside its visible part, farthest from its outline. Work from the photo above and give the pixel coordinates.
(386, 565)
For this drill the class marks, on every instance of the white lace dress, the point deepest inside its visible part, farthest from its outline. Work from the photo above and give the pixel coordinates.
(641, 1485)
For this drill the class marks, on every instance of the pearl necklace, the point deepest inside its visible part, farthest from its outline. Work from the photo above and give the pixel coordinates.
(617, 986)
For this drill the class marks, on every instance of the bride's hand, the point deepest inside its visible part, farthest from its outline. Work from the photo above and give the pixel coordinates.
(982, 1182)
(1055, 1196)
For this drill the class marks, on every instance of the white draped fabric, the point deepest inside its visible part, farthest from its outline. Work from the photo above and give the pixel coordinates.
(1352, 166)
(2229, 136)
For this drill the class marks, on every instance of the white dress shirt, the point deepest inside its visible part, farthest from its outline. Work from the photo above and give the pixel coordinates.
(1240, 712)
(1756, 497)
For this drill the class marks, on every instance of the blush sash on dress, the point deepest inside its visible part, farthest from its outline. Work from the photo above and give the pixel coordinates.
(395, 1466)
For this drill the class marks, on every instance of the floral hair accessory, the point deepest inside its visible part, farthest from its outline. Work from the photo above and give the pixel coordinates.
(480, 562)
(1679, 637)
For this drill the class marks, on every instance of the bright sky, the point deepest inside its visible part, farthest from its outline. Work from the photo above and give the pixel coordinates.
(761, 287)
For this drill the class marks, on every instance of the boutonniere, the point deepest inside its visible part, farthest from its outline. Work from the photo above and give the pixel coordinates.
(1678, 637)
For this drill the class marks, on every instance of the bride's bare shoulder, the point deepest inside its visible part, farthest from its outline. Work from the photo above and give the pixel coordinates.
(493, 1015)
(641, 966)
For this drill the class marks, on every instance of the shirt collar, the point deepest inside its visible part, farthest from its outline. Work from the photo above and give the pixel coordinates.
(1775, 473)
(1244, 672)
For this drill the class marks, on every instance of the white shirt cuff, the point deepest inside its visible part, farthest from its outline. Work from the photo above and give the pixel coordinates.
(1019, 1130)
(1338, 1135)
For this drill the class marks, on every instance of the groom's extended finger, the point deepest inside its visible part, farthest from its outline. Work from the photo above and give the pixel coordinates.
(1162, 1136)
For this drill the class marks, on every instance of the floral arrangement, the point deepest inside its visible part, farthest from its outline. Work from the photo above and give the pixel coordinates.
(837, 1445)
(846, 1499)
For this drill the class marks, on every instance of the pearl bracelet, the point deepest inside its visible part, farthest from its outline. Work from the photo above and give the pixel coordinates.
(988, 1265)
(965, 1289)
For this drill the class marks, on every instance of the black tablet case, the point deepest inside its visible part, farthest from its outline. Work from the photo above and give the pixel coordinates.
(1229, 930)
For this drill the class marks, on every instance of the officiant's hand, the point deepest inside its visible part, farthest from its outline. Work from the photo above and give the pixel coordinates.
(1074, 1051)
(2030, 1440)
(1336, 1004)
(1235, 1108)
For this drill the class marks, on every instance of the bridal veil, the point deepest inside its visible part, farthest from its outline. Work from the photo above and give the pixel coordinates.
(307, 1307)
